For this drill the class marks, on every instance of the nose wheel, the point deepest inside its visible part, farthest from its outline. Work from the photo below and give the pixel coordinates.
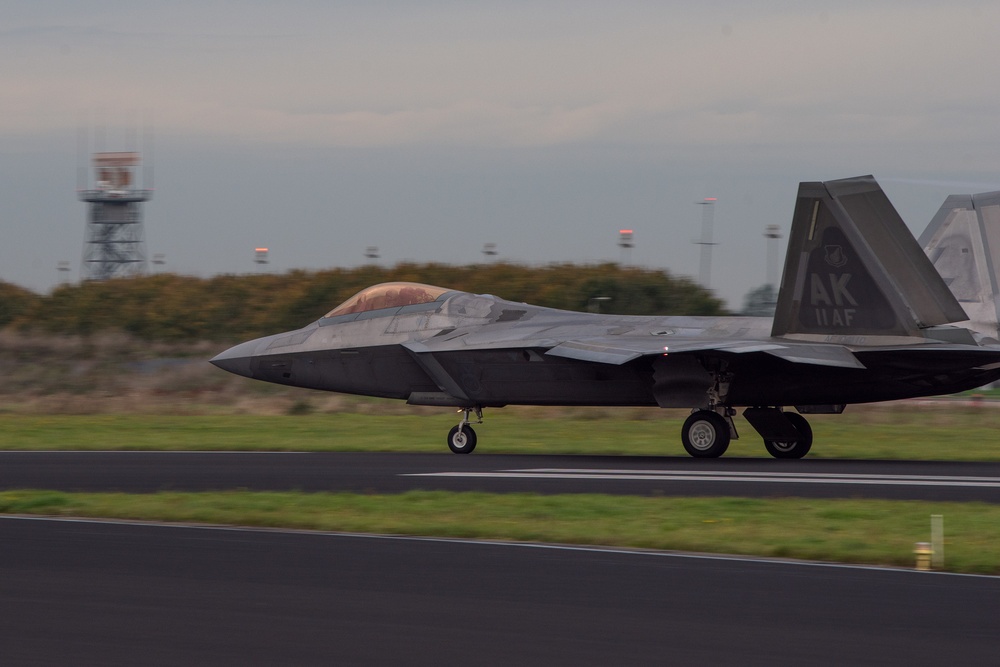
(461, 438)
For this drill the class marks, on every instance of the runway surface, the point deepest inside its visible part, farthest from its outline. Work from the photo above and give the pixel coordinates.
(143, 472)
(93, 593)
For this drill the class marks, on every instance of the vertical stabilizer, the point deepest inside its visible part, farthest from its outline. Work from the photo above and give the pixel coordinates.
(854, 269)
(963, 242)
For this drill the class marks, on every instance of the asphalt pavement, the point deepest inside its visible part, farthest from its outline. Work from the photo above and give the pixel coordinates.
(144, 472)
(105, 593)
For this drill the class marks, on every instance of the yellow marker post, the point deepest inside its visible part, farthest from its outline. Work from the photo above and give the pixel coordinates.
(923, 552)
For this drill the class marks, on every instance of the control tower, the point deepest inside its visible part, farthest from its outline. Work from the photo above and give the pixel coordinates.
(115, 243)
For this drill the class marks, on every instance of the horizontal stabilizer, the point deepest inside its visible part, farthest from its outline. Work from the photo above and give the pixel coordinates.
(853, 268)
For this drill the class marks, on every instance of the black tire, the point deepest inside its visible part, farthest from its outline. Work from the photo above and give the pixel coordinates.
(796, 449)
(461, 441)
(705, 435)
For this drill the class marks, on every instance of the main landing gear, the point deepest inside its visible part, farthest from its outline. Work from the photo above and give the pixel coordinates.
(792, 449)
(707, 433)
(461, 438)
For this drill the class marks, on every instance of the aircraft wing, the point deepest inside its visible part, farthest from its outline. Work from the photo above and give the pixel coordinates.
(618, 350)
(614, 350)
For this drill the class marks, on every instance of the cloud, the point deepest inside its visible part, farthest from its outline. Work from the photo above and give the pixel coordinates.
(394, 75)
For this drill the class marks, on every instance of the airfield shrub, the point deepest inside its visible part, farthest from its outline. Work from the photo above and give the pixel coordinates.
(15, 302)
(170, 307)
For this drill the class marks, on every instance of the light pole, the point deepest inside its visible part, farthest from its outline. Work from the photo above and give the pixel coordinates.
(626, 242)
(63, 268)
(706, 243)
(772, 233)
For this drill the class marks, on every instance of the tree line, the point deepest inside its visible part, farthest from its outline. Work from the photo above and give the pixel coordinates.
(170, 307)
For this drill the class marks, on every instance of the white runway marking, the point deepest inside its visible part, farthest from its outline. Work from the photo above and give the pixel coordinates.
(719, 476)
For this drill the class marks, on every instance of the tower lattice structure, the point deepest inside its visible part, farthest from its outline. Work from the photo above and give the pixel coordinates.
(114, 244)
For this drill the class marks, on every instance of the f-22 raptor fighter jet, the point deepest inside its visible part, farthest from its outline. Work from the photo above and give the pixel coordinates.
(862, 316)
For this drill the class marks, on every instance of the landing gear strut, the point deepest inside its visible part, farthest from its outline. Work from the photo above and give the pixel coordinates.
(461, 438)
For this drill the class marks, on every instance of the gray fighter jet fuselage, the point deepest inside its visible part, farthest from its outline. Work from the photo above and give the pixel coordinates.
(862, 316)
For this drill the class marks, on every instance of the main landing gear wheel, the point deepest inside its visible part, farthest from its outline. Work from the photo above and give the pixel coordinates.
(705, 434)
(461, 439)
(794, 449)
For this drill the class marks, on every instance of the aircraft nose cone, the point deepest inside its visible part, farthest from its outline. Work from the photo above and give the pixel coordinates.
(236, 359)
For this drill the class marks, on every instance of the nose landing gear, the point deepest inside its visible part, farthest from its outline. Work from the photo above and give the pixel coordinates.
(462, 438)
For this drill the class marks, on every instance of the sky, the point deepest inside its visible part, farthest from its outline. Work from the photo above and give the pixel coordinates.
(429, 128)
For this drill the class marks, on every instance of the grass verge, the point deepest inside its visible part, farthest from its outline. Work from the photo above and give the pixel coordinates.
(849, 531)
(961, 433)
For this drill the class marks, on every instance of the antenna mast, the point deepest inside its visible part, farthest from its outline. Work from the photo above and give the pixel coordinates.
(706, 243)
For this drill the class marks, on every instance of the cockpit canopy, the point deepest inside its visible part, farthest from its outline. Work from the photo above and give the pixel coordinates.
(388, 295)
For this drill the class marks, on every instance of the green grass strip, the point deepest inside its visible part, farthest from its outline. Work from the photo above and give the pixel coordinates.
(848, 531)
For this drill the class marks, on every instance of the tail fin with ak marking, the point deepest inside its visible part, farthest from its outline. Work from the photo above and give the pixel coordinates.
(854, 269)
